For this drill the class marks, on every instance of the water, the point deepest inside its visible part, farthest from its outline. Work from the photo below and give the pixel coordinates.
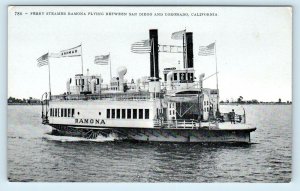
(33, 155)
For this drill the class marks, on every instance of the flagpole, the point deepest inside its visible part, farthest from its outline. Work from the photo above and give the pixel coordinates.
(81, 59)
(110, 66)
(49, 76)
(217, 83)
(183, 52)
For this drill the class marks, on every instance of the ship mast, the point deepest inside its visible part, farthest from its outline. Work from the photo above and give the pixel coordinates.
(49, 77)
(81, 59)
(217, 83)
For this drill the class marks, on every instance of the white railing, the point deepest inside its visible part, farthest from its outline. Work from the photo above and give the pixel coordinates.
(108, 96)
(176, 124)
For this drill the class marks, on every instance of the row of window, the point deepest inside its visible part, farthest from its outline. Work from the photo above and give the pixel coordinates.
(206, 109)
(127, 113)
(182, 76)
(172, 112)
(206, 103)
(172, 105)
(62, 112)
(81, 81)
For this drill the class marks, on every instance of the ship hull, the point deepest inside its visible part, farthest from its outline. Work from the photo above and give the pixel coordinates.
(159, 134)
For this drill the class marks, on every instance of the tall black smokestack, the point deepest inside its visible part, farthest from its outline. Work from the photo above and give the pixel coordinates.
(189, 50)
(154, 69)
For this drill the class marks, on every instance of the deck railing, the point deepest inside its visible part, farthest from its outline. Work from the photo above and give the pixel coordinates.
(110, 96)
(176, 124)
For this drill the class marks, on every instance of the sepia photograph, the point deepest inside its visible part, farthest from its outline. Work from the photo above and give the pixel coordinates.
(189, 94)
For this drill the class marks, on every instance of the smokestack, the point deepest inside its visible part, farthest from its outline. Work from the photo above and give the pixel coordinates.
(154, 69)
(189, 50)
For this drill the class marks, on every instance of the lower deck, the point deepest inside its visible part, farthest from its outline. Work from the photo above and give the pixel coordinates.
(160, 134)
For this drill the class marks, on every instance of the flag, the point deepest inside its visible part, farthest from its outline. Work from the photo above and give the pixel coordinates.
(141, 47)
(43, 60)
(178, 35)
(207, 50)
(102, 60)
(76, 51)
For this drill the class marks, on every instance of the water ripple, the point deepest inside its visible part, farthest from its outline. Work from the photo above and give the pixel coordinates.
(34, 155)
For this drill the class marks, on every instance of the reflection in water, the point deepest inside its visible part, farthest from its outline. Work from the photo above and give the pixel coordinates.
(34, 155)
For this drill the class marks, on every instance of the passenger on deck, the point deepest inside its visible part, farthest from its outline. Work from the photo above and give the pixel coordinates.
(232, 116)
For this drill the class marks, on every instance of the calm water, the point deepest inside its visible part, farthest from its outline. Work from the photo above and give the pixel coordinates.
(33, 155)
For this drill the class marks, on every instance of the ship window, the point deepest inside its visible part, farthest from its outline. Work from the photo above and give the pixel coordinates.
(165, 77)
(107, 113)
(146, 113)
(98, 81)
(76, 82)
(118, 113)
(82, 83)
(173, 112)
(69, 112)
(66, 114)
(170, 112)
(73, 112)
(99, 113)
(175, 76)
(181, 76)
(113, 113)
(50, 111)
(78, 113)
(141, 113)
(134, 113)
(61, 112)
(55, 112)
(123, 113)
(191, 77)
(128, 113)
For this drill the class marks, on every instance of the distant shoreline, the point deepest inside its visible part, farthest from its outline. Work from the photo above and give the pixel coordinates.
(220, 104)
(255, 103)
(24, 104)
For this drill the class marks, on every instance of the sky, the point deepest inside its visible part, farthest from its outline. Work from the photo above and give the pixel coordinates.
(253, 47)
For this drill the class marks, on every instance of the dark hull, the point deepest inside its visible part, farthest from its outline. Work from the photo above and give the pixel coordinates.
(159, 134)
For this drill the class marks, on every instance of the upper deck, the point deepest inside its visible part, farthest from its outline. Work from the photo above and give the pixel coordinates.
(136, 96)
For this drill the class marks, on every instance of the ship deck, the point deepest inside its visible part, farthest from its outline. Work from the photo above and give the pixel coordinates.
(205, 125)
(230, 126)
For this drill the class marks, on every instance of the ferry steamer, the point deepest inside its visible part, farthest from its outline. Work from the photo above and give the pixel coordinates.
(173, 108)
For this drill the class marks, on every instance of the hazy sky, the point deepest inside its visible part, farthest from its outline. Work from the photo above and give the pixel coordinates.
(254, 47)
